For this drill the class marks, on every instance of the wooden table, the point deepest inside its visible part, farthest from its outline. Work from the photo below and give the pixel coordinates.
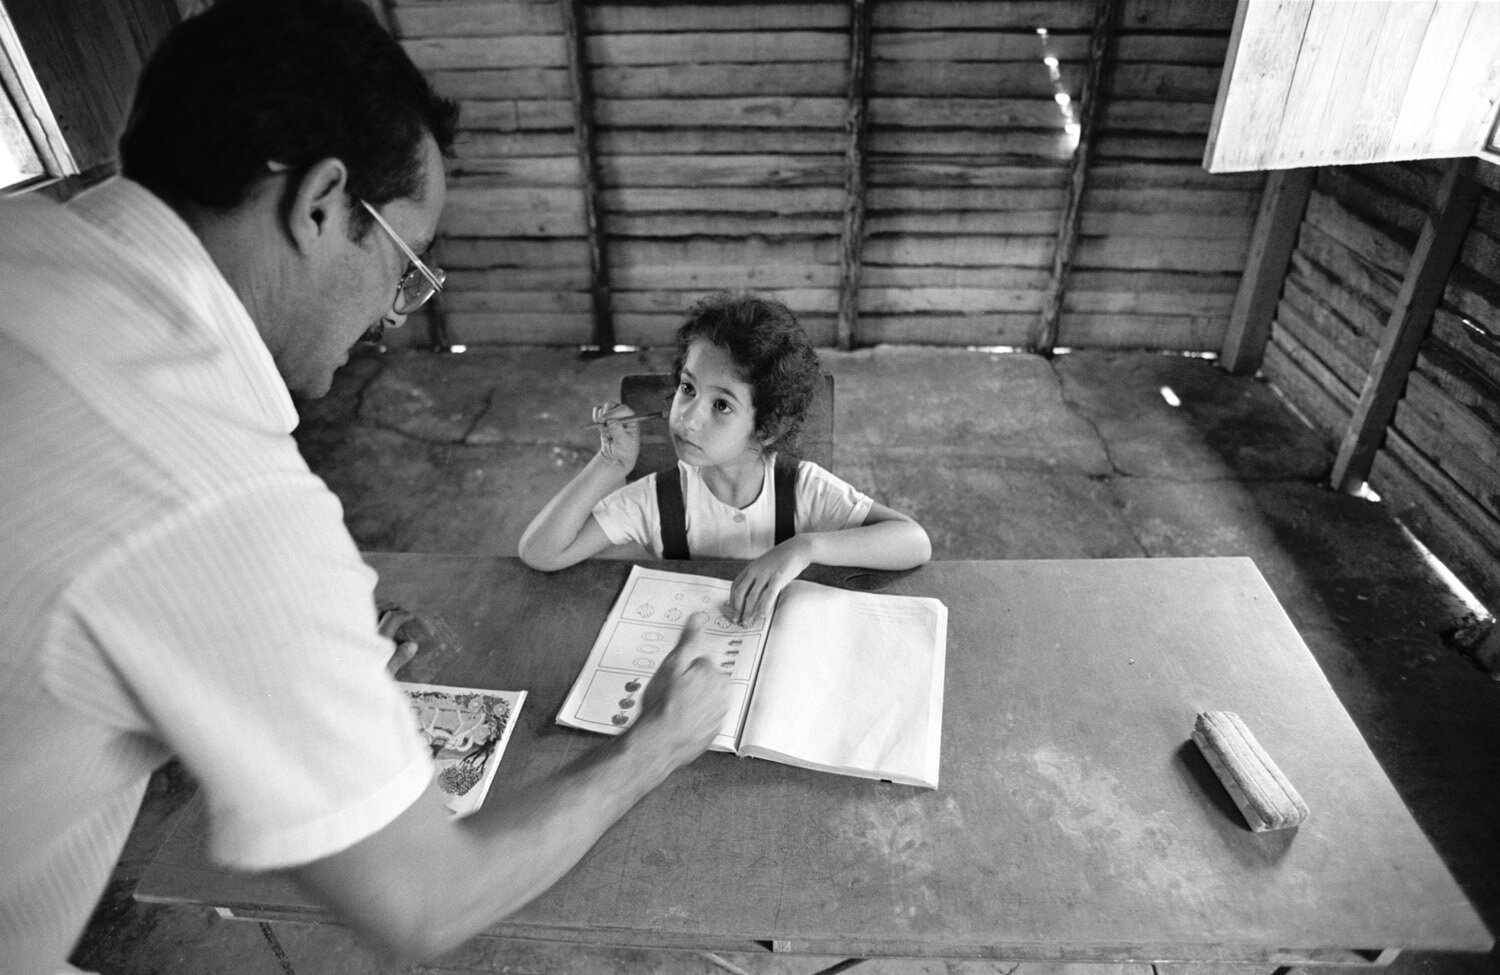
(1075, 819)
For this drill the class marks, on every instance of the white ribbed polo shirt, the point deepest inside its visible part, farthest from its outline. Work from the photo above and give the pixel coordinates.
(173, 579)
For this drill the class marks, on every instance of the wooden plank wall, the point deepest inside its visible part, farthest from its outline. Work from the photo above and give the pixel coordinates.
(721, 148)
(1439, 465)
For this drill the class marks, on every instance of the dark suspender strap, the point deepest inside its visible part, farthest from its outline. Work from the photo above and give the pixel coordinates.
(673, 513)
(784, 481)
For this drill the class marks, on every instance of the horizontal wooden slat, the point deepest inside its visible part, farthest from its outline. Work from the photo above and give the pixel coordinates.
(516, 115)
(1057, 15)
(619, 18)
(892, 171)
(1465, 541)
(800, 300)
(1475, 345)
(1182, 333)
(1455, 439)
(947, 330)
(1143, 175)
(1164, 82)
(965, 113)
(511, 328)
(826, 78)
(1171, 49)
(473, 148)
(788, 200)
(1096, 223)
(1344, 265)
(1149, 200)
(728, 47)
(1146, 115)
(889, 301)
(1459, 381)
(1370, 201)
(676, 170)
(996, 278)
(517, 51)
(974, 79)
(473, 18)
(1285, 367)
(523, 171)
(659, 328)
(502, 83)
(1147, 302)
(1344, 353)
(972, 251)
(1175, 15)
(1162, 253)
(572, 302)
(927, 199)
(1150, 147)
(757, 113)
(679, 277)
(466, 252)
(1012, 222)
(750, 251)
(721, 224)
(974, 45)
(995, 146)
(519, 279)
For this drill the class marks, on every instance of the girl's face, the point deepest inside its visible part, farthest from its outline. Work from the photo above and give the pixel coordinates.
(713, 421)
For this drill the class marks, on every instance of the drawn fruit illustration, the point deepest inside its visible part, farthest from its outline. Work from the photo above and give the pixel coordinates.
(632, 686)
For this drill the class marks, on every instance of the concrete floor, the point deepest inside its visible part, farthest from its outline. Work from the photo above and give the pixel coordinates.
(999, 456)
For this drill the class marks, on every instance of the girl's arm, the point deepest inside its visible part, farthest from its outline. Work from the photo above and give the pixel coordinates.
(886, 540)
(566, 532)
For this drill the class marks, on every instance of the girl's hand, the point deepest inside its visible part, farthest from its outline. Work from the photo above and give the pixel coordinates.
(619, 443)
(755, 589)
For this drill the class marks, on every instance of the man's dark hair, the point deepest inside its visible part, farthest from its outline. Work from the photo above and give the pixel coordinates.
(249, 82)
(768, 347)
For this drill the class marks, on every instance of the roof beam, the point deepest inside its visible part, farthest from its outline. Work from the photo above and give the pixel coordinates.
(851, 251)
(1282, 204)
(1045, 337)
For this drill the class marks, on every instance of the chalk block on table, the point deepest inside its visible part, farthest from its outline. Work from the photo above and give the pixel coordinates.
(1264, 796)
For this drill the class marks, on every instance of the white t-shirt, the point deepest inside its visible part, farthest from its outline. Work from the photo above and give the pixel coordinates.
(716, 530)
(173, 579)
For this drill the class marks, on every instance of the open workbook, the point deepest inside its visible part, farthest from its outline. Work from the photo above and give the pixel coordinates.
(839, 681)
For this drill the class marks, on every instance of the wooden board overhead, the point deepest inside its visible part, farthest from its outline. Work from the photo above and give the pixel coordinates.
(1322, 82)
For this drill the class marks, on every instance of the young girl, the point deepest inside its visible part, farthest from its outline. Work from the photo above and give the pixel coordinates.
(746, 374)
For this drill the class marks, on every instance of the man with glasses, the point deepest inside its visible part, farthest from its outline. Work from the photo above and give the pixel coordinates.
(174, 580)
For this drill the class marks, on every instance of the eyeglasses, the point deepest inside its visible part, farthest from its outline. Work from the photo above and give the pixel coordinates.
(420, 282)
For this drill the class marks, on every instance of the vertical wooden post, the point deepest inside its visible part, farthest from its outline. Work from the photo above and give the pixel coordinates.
(1282, 204)
(851, 262)
(593, 214)
(1045, 337)
(1442, 234)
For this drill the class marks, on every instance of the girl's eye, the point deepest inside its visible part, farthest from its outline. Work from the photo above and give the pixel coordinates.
(685, 388)
(723, 406)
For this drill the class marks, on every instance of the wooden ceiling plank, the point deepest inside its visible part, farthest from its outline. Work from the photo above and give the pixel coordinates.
(1437, 248)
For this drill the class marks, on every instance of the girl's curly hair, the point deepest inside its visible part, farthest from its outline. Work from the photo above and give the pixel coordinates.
(770, 350)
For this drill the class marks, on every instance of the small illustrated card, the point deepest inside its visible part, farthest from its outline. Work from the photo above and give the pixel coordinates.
(643, 627)
(467, 729)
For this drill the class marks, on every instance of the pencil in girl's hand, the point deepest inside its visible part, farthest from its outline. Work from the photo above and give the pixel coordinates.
(635, 418)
